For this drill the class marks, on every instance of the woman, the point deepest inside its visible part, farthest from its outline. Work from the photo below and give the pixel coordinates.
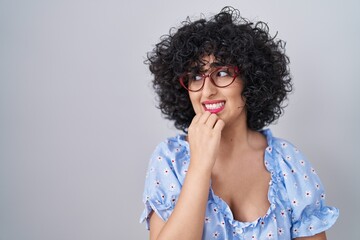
(222, 81)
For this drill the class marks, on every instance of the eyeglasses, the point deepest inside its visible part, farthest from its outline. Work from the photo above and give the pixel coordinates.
(221, 77)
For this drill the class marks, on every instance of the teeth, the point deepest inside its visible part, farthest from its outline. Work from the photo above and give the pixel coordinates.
(214, 105)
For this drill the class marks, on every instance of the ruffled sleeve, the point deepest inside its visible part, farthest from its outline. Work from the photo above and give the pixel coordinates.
(310, 214)
(163, 181)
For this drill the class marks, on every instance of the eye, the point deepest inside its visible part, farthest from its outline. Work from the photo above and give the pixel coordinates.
(223, 72)
(195, 77)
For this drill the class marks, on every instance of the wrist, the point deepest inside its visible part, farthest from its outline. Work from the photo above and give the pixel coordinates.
(200, 169)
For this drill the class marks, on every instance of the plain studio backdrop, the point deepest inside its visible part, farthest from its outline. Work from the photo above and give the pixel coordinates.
(78, 121)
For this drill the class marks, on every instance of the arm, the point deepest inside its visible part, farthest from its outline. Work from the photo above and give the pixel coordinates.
(320, 236)
(187, 219)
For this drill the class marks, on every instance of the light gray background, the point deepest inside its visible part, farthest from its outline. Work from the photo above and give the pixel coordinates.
(77, 115)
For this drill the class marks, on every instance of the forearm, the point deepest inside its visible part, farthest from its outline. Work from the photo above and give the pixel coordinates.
(319, 236)
(187, 219)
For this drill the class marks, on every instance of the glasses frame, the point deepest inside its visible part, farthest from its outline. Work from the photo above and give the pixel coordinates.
(236, 71)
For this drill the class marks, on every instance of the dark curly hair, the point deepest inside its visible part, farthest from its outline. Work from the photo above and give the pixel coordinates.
(233, 40)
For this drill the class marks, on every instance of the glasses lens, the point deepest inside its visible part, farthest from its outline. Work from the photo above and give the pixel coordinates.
(224, 76)
(221, 77)
(193, 82)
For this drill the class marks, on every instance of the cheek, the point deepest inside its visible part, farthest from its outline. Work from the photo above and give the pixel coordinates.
(237, 94)
(238, 102)
(241, 101)
(195, 102)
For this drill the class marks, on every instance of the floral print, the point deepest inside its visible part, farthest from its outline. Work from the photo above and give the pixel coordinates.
(296, 195)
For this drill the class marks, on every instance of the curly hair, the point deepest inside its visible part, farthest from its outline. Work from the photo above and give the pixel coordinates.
(233, 40)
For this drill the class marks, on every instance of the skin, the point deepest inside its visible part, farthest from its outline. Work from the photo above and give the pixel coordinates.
(233, 159)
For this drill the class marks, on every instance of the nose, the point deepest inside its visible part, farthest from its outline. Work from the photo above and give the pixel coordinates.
(209, 88)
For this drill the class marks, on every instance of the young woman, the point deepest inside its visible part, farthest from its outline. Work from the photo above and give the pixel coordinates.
(223, 80)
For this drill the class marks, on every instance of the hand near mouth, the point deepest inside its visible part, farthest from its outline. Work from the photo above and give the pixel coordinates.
(204, 136)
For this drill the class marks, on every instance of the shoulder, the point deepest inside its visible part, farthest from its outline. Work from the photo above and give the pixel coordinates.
(170, 160)
(285, 157)
(283, 146)
(295, 171)
(283, 150)
(171, 149)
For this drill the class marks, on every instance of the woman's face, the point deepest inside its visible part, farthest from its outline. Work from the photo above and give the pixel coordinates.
(226, 102)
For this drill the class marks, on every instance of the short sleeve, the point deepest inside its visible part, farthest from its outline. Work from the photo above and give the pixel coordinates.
(310, 214)
(162, 183)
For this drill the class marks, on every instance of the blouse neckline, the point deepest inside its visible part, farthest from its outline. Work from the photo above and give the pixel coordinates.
(225, 208)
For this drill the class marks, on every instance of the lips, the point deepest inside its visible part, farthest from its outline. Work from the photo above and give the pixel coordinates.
(214, 106)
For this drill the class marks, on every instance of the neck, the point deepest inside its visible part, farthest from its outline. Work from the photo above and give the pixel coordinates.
(235, 137)
(236, 140)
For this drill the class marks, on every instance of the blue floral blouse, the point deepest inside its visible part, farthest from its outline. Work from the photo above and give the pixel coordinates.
(296, 195)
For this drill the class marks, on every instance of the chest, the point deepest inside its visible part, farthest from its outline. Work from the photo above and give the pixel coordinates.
(244, 187)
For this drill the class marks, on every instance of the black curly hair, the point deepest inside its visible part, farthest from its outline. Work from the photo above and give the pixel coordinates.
(233, 40)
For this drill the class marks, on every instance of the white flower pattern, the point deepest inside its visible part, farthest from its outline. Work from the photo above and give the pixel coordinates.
(172, 187)
(166, 171)
(216, 235)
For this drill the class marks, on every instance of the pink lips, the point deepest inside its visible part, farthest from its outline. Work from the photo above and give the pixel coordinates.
(214, 106)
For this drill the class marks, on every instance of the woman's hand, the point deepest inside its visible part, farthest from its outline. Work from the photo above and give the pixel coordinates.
(204, 136)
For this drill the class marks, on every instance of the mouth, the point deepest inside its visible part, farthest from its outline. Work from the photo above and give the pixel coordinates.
(214, 106)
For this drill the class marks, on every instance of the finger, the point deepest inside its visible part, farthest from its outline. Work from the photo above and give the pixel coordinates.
(204, 117)
(212, 120)
(219, 125)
